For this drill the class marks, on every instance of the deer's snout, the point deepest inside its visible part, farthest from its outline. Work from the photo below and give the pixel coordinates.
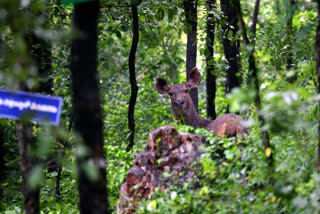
(179, 103)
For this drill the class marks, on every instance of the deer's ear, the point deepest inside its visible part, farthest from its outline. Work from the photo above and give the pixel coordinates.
(194, 78)
(162, 85)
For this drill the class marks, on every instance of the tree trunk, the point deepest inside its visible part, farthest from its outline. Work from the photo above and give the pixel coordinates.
(231, 44)
(289, 60)
(317, 62)
(86, 111)
(26, 142)
(190, 7)
(132, 70)
(253, 74)
(211, 77)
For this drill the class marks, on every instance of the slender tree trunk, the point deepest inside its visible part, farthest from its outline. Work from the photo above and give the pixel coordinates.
(190, 7)
(231, 44)
(26, 142)
(24, 130)
(87, 113)
(253, 72)
(289, 63)
(132, 70)
(317, 62)
(211, 77)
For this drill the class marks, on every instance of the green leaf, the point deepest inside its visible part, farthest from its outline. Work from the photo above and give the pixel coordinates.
(118, 34)
(35, 178)
(45, 143)
(160, 15)
(91, 170)
(152, 205)
(171, 14)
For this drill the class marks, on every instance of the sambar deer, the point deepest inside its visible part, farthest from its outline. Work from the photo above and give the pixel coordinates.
(183, 109)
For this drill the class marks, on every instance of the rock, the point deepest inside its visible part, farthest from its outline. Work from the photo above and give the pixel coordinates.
(166, 152)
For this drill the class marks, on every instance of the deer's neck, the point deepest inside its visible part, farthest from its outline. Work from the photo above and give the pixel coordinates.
(192, 118)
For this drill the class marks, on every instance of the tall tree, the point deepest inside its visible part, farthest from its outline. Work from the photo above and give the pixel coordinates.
(231, 43)
(211, 77)
(86, 107)
(17, 23)
(132, 70)
(190, 7)
(253, 72)
(31, 194)
(317, 64)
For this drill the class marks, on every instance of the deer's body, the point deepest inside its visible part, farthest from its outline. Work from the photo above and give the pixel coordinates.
(183, 109)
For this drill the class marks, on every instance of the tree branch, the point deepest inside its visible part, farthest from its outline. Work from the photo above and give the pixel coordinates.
(132, 71)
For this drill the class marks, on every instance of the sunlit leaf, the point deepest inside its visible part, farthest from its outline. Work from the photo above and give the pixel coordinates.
(152, 205)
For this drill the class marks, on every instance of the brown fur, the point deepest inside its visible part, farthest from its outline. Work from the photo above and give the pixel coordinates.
(183, 109)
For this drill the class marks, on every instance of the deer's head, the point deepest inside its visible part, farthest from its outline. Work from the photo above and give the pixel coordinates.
(181, 101)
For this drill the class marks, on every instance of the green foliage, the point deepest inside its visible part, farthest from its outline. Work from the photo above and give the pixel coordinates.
(236, 179)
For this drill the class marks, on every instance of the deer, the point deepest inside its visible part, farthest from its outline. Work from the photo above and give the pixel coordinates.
(226, 125)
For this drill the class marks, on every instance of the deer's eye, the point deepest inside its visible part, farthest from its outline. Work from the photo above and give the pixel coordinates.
(186, 91)
(170, 94)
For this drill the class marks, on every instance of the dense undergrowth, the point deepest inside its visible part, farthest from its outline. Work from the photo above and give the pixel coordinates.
(234, 179)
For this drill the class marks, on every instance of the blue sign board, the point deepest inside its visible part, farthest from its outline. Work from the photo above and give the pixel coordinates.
(36, 107)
